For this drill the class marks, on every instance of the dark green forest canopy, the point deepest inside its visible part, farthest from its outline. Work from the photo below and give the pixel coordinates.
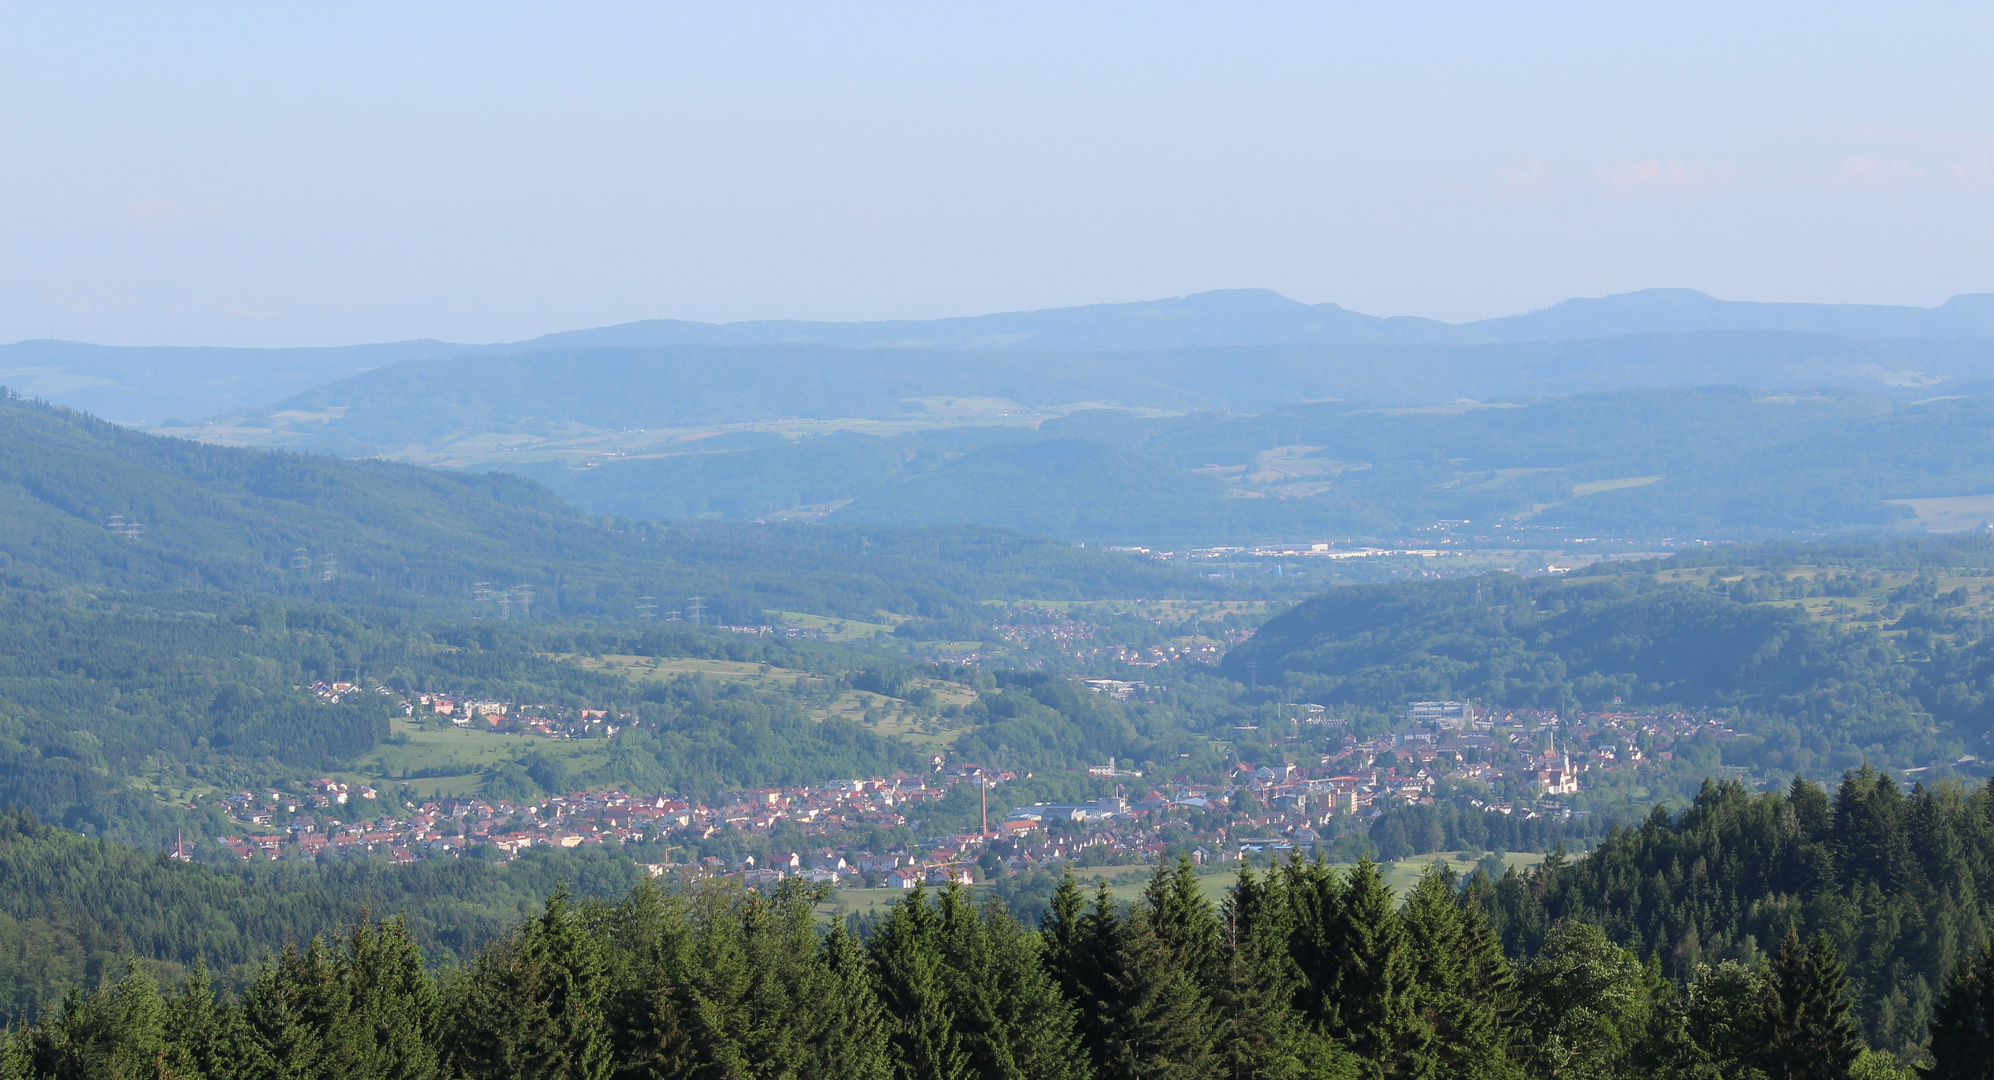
(74, 907)
(1901, 882)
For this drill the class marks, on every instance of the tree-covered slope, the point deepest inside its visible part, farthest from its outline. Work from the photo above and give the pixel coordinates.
(1899, 881)
(223, 518)
(73, 908)
(1809, 695)
(1707, 462)
(1062, 487)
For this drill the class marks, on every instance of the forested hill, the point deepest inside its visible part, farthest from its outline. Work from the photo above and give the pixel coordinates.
(1805, 690)
(84, 502)
(1900, 881)
(1535, 642)
(73, 907)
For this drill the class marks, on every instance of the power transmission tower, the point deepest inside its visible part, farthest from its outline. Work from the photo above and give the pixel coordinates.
(523, 596)
(647, 607)
(301, 561)
(696, 609)
(328, 565)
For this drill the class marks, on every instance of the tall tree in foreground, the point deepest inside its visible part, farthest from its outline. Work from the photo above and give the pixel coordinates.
(1585, 1004)
(1807, 1032)
(534, 1006)
(1143, 1012)
(1459, 998)
(1261, 1035)
(967, 995)
(1963, 1022)
(1372, 972)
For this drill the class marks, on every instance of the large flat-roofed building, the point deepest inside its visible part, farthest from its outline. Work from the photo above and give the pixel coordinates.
(1443, 714)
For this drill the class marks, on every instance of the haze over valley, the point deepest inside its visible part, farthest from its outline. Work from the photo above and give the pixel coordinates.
(950, 542)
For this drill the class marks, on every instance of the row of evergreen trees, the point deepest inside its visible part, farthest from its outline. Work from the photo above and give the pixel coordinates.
(1303, 972)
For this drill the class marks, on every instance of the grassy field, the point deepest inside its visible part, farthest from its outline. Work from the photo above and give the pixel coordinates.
(458, 756)
(1594, 487)
(1172, 609)
(888, 716)
(1953, 514)
(839, 629)
(656, 669)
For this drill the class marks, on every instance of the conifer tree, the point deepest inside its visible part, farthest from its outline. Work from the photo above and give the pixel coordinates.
(1261, 1034)
(1312, 895)
(210, 1036)
(1163, 1024)
(1060, 938)
(797, 1017)
(913, 988)
(1458, 995)
(1182, 919)
(1962, 1031)
(855, 1041)
(392, 1022)
(119, 1031)
(535, 1004)
(285, 1012)
(1141, 1013)
(1371, 972)
(650, 971)
(1807, 1033)
(1869, 834)
(1028, 1028)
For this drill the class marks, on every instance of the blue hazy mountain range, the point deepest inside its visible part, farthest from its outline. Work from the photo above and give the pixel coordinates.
(442, 402)
(147, 385)
(1262, 317)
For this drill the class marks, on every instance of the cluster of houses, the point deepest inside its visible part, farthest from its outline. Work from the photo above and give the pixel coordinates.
(798, 633)
(1109, 830)
(1549, 754)
(1278, 803)
(288, 822)
(545, 721)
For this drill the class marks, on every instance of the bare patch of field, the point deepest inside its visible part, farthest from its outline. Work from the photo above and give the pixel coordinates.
(1953, 513)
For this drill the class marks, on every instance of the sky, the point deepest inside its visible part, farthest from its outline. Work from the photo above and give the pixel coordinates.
(301, 174)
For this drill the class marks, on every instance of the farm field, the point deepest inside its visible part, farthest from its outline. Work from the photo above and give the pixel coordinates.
(839, 629)
(453, 760)
(1594, 487)
(1956, 513)
(888, 716)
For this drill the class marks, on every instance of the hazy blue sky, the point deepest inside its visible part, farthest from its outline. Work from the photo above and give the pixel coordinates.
(294, 174)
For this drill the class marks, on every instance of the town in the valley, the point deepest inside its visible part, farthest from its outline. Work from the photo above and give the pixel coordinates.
(961, 821)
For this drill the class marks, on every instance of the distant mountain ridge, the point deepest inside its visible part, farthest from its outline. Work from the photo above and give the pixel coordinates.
(438, 402)
(149, 384)
(1263, 317)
